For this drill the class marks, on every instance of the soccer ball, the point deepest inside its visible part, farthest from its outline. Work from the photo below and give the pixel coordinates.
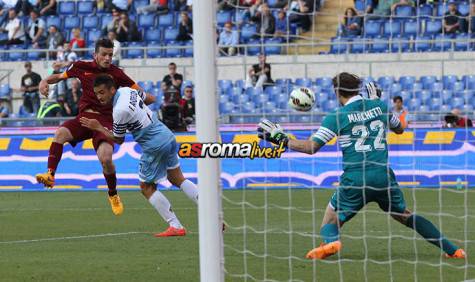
(302, 99)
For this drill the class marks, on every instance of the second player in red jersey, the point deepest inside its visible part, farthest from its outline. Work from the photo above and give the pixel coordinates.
(73, 132)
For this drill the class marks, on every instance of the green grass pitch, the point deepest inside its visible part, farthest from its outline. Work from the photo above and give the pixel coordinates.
(73, 236)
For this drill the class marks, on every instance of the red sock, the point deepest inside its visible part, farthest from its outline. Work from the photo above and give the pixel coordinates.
(55, 154)
(111, 180)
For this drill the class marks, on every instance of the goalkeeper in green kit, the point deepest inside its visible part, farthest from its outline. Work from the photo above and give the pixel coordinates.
(360, 126)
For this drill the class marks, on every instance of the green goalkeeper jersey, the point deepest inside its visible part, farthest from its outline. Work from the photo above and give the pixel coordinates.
(360, 126)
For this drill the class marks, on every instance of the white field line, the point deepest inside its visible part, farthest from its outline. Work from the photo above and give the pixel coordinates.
(73, 237)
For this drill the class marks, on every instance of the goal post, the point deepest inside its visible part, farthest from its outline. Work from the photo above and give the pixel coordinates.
(209, 206)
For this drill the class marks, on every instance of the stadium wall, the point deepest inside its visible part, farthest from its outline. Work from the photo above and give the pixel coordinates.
(420, 158)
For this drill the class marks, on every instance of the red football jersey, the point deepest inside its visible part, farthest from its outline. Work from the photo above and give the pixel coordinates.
(86, 72)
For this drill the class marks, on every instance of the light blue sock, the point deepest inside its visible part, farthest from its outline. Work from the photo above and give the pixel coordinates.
(427, 230)
(329, 233)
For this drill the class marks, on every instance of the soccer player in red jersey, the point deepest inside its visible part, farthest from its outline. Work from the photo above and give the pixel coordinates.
(73, 132)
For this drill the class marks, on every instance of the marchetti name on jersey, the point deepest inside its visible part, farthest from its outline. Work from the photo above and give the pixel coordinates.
(229, 150)
(362, 116)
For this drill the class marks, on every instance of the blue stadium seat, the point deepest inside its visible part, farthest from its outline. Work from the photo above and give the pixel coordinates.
(248, 107)
(469, 81)
(463, 8)
(270, 49)
(223, 98)
(165, 20)
(223, 17)
(467, 95)
(171, 52)
(395, 88)
(86, 8)
(442, 8)
(93, 35)
(146, 85)
(414, 104)
(240, 99)
(385, 82)
(425, 11)
(254, 48)
(392, 28)
(457, 86)
(442, 42)
(226, 108)
(53, 20)
(324, 82)
(462, 42)
(71, 22)
(248, 31)
(424, 108)
(422, 44)
(188, 52)
(449, 80)
(241, 15)
(141, 3)
(234, 91)
(33, 55)
(90, 22)
(380, 45)
(436, 87)
(411, 28)
(152, 34)
(445, 108)
(338, 46)
(435, 104)
(283, 81)
(260, 99)
(427, 80)
(170, 33)
(67, 8)
(254, 91)
(135, 53)
(359, 46)
(5, 90)
(405, 11)
(406, 80)
(372, 28)
(400, 44)
(154, 52)
(433, 27)
(330, 105)
(16, 56)
(146, 21)
(360, 5)
(457, 102)
(105, 20)
(273, 91)
(467, 108)
(446, 95)
(305, 82)
(225, 84)
(425, 96)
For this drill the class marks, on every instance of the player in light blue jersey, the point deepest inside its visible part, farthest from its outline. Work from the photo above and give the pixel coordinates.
(159, 158)
(360, 126)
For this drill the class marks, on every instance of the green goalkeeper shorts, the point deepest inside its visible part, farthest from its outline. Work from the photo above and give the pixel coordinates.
(357, 189)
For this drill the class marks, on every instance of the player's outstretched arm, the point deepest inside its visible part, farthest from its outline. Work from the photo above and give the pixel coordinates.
(93, 124)
(52, 79)
(304, 146)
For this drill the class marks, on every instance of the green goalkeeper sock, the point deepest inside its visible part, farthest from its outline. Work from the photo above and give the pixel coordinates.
(427, 230)
(329, 233)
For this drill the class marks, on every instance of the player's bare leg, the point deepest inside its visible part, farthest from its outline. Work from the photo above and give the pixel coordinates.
(330, 233)
(104, 153)
(426, 229)
(164, 208)
(175, 176)
(61, 136)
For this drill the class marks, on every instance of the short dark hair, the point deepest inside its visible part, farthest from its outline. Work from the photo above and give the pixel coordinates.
(104, 79)
(397, 98)
(346, 84)
(104, 43)
(172, 64)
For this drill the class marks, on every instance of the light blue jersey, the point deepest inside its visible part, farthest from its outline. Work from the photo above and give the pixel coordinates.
(157, 141)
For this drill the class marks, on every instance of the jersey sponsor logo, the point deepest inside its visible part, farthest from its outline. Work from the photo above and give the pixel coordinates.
(229, 150)
(366, 115)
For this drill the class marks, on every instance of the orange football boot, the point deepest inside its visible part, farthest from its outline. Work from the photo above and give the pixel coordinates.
(459, 254)
(47, 178)
(172, 231)
(324, 250)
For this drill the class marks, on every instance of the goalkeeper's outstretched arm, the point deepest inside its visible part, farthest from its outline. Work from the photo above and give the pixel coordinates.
(304, 146)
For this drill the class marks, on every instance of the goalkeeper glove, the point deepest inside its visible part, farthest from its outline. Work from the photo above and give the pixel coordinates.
(373, 91)
(272, 132)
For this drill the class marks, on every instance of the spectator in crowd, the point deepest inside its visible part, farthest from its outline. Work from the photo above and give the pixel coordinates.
(369, 6)
(77, 42)
(120, 5)
(171, 112)
(113, 25)
(455, 119)
(4, 107)
(259, 74)
(227, 5)
(228, 40)
(399, 111)
(66, 56)
(400, 4)
(265, 21)
(101, 5)
(6, 6)
(187, 103)
(471, 18)
(172, 78)
(452, 19)
(281, 24)
(383, 8)
(46, 7)
(185, 28)
(36, 30)
(280, 4)
(180, 5)
(247, 3)
(14, 28)
(29, 86)
(303, 15)
(351, 23)
(116, 51)
(127, 30)
(153, 7)
(71, 98)
(51, 108)
(255, 9)
(55, 39)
